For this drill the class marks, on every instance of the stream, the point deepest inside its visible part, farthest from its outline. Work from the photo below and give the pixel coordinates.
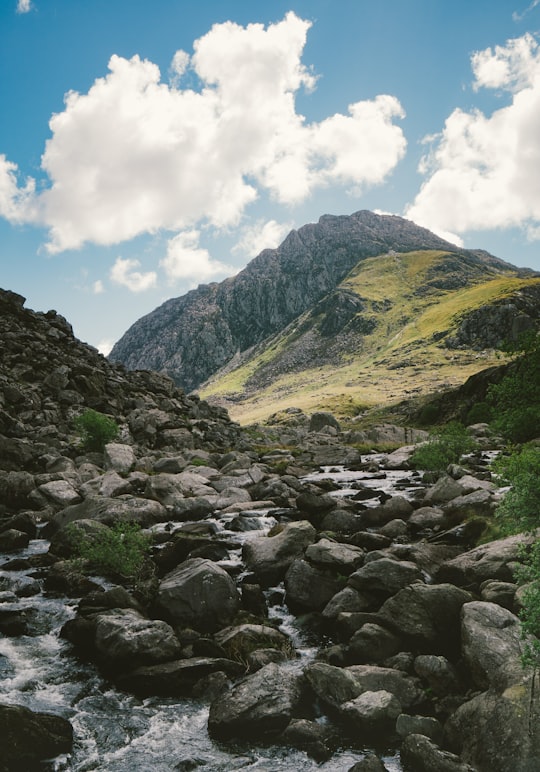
(116, 732)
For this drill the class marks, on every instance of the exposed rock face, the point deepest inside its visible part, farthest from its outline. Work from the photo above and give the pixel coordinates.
(193, 336)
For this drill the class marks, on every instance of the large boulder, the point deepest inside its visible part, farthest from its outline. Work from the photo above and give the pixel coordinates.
(488, 561)
(308, 588)
(125, 639)
(421, 754)
(385, 576)
(29, 738)
(177, 678)
(125, 508)
(372, 714)
(258, 707)
(119, 458)
(198, 594)
(343, 558)
(270, 556)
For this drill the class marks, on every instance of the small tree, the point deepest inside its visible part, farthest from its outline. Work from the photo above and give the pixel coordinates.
(445, 447)
(95, 429)
(119, 551)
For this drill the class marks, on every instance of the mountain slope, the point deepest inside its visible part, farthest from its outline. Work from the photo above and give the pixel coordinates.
(397, 325)
(192, 336)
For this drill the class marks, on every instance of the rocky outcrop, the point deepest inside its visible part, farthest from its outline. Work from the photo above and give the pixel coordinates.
(193, 336)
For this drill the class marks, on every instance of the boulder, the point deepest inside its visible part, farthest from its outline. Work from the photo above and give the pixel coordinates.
(332, 685)
(13, 539)
(348, 599)
(372, 644)
(373, 678)
(319, 420)
(439, 674)
(310, 736)
(125, 639)
(118, 457)
(177, 678)
(394, 507)
(425, 725)
(308, 588)
(420, 754)
(240, 641)
(258, 707)
(385, 576)
(445, 489)
(29, 738)
(169, 489)
(269, 557)
(492, 645)
(372, 714)
(60, 493)
(124, 508)
(343, 558)
(427, 616)
(198, 594)
(488, 561)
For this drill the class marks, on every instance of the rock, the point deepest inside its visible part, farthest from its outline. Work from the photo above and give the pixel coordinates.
(445, 489)
(257, 708)
(372, 714)
(421, 754)
(15, 488)
(475, 504)
(348, 599)
(269, 557)
(60, 493)
(120, 458)
(427, 517)
(488, 561)
(308, 588)
(12, 540)
(125, 639)
(424, 725)
(198, 594)
(320, 420)
(369, 763)
(309, 736)
(239, 642)
(13, 622)
(335, 555)
(502, 593)
(491, 645)
(372, 644)
(29, 737)
(385, 576)
(394, 507)
(169, 489)
(177, 678)
(65, 542)
(427, 616)
(124, 508)
(439, 674)
(111, 485)
(332, 685)
(315, 504)
(374, 678)
(499, 732)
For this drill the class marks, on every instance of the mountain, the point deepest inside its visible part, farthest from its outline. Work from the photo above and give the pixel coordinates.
(192, 336)
(349, 312)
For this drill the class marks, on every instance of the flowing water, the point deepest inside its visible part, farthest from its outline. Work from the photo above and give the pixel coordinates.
(116, 732)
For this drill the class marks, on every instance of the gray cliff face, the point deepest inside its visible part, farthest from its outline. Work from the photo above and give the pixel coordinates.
(191, 337)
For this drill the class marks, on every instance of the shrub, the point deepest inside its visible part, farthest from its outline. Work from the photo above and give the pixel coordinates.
(520, 511)
(121, 551)
(95, 429)
(479, 413)
(429, 414)
(444, 448)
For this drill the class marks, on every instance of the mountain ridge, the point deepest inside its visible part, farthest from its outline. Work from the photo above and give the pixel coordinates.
(192, 336)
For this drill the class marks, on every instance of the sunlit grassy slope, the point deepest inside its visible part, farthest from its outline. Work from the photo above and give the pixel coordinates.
(410, 303)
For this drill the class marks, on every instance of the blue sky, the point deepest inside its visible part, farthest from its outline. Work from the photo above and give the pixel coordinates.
(147, 147)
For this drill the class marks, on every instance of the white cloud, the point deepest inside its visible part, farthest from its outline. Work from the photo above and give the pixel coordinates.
(261, 235)
(185, 259)
(97, 287)
(123, 272)
(15, 202)
(23, 6)
(135, 155)
(105, 346)
(483, 171)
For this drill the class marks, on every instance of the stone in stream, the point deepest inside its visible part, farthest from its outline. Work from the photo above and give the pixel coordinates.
(269, 557)
(29, 738)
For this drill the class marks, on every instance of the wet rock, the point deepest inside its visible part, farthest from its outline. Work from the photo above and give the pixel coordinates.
(309, 736)
(421, 754)
(13, 622)
(29, 737)
(332, 685)
(385, 576)
(369, 763)
(12, 539)
(240, 641)
(124, 639)
(335, 555)
(177, 678)
(308, 588)
(346, 600)
(198, 594)
(269, 557)
(259, 707)
(372, 714)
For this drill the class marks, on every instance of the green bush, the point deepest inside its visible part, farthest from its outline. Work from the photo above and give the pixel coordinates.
(520, 511)
(95, 429)
(121, 551)
(479, 413)
(444, 448)
(516, 399)
(429, 414)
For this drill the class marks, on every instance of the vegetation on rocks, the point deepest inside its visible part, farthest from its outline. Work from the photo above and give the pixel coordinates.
(445, 447)
(95, 429)
(119, 551)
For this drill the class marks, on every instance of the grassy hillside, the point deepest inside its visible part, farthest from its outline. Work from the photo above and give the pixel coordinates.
(380, 337)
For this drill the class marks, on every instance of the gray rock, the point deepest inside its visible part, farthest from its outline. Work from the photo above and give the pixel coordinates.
(240, 641)
(125, 639)
(373, 678)
(348, 599)
(385, 576)
(372, 713)
(439, 674)
(372, 644)
(320, 420)
(420, 754)
(120, 458)
(12, 539)
(269, 557)
(60, 493)
(444, 489)
(29, 737)
(198, 594)
(308, 588)
(177, 678)
(258, 707)
(332, 685)
(492, 645)
(331, 554)
(124, 508)
(425, 725)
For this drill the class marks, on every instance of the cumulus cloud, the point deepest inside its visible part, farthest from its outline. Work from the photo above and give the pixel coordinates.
(23, 6)
(185, 259)
(483, 171)
(105, 346)
(123, 273)
(261, 235)
(136, 155)
(97, 287)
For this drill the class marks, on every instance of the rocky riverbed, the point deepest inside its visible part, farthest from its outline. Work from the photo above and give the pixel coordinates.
(302, 605)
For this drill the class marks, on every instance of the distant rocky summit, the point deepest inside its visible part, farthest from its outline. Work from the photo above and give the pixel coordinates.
(192, 336)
